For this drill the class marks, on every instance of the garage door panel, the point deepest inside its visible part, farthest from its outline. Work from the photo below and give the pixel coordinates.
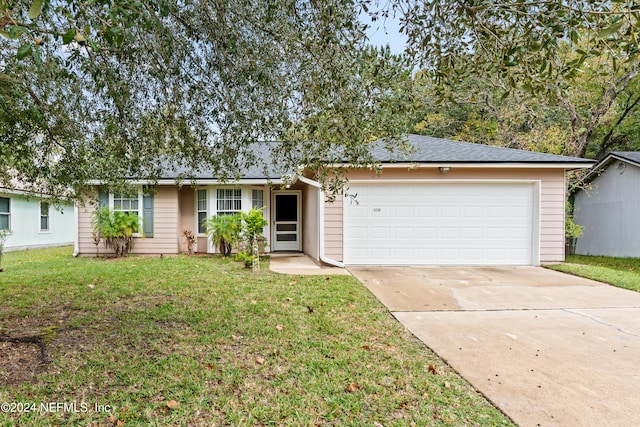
(449, 233)
(496, 254)
(432, 223)
(404, 212)
(427, 211)
(404, 233)
(450, 212)
(427, 232)
(380, 232)
(496, 212)
(473, 233)
(496, 233)
(473, 212)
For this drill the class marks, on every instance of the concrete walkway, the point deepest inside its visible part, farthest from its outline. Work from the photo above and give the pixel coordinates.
(547, 348)
(296, 263)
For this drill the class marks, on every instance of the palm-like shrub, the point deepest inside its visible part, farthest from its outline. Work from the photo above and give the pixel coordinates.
(224, 230)
(116, 228)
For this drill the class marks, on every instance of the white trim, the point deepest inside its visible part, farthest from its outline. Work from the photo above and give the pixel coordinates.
(48, 229)
(536, 226)
(298, 222)
(321, 253)
(602, 166)
(10, 228)
(536, 229)
(140, 208)
(76, 237)
(418, 165)
(440, 181)
(28, 193)
(229, 187)
(197, 182)
(195, 209)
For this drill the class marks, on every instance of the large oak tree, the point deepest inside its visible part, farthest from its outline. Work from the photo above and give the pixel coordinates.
(106, 89)
(579, 55)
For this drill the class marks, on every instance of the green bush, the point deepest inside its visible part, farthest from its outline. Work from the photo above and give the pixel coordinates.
(225, 231)
(116, 229)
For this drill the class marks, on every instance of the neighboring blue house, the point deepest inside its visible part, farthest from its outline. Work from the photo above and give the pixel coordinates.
(610, 210)
(34, 222)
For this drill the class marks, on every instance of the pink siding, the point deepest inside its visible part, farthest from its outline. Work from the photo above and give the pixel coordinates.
(333, 229)
(165, 226)
(310, 244)
(187, 204)
(85, 236)
(552, 202)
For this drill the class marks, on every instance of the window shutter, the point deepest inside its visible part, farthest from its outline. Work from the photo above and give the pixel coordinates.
(103, 198)
(147, 215)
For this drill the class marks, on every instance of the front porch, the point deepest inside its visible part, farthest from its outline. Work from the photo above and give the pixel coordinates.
(292, 219)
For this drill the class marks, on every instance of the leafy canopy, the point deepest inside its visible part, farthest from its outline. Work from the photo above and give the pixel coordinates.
(548, 50)
(99, 89)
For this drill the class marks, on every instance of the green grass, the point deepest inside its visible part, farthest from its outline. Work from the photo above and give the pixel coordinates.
(620, 272)
(202, 341)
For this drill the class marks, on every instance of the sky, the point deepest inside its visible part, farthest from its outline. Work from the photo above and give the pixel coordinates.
(383, 32)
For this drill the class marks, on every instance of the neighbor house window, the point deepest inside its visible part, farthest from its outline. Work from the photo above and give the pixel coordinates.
(44, 216)
(126, 204)
(5, 213)
(202, 210)
(229, 201)
(257, 199)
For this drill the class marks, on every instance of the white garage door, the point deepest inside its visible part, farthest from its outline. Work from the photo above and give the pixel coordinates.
(439, 224)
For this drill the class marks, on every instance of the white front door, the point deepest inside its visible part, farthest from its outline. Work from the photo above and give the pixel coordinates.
(286, 221)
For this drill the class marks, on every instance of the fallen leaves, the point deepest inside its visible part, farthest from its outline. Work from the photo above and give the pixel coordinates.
(260, 360)
(352, 388)
(279, 327)
(432, 370)
(115, 421)
(172, 404)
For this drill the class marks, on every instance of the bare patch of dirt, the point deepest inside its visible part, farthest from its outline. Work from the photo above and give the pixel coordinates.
(24, 357)
(20, 362)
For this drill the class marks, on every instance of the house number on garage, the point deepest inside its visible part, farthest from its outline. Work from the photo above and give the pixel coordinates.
(377, 210)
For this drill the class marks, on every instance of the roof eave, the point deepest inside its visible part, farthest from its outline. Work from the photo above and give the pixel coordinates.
(198, 181)
(503, 165)
(604, 163)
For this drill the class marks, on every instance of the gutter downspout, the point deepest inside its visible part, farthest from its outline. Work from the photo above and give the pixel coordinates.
(76, 244)
(317, 185)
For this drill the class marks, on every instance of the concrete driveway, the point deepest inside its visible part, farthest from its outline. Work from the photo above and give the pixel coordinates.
(545, 347)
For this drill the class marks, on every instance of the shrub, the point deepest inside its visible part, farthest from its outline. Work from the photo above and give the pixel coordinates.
(191, 240)
(252, 241)
(116, 228)
(224, 230)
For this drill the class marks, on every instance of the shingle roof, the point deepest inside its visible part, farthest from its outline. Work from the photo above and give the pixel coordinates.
(261, 167)
(631, 156)
(438, 150)
(426, 150)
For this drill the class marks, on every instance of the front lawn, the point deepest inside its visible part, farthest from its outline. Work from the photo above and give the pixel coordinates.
(201, 341)
(620, 272)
